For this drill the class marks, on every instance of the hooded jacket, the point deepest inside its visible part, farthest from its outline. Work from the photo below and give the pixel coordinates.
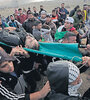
(7, 84)
(28, 25)
(77, 21)
(58, 75)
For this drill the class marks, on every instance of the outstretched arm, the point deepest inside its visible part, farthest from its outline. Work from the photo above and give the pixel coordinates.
(10, 95)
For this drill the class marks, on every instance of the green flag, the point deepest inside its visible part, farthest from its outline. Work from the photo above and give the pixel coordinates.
(65, 51)
(60, 35)
(60, 50)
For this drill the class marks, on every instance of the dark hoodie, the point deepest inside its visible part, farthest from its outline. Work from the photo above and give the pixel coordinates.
(58, 74)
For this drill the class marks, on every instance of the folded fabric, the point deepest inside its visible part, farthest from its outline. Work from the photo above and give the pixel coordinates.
(60, 35)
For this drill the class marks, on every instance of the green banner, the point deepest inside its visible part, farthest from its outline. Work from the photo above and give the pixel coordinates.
(65, 51)
(60, 50)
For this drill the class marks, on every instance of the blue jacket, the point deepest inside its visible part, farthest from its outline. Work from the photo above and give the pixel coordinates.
(63, 16)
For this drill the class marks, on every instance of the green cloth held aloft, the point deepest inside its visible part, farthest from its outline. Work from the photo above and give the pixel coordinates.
(60, 50)
(67, 51)
(60, 35)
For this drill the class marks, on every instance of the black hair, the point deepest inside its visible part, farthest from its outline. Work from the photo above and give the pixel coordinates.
(79, 10)
(48, 16)
(29, 8)
(41, 5)
(29, 12)
(34, 7)
(69, 34)
(45, 27)
(37, 23)
(77, 7)
(11, 16)
(19, 9)
(53, 10)
(85, 5)
(63, 3)
(35, 46)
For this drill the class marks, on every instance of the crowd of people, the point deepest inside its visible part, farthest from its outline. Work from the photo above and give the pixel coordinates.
(20, 70)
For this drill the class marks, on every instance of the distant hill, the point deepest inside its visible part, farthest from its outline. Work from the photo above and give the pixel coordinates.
(8, 3)
(8, 6)
(16, 3)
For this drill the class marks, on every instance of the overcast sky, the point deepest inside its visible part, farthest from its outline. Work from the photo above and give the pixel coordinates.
(14, 3)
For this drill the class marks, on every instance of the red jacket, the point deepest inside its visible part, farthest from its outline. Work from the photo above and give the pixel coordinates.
(73, 30)
(21, 18)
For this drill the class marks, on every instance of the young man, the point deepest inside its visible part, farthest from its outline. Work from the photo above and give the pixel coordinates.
(29, 23)
(63, 11)
(41, 9)
(68, 26)
(51, 25)
(35, 12)
(13, 22)
(54, 18)
(69, 37)
(8, 80)
(42, 32)
(36, 31)
(78, 20)
(43, 17)
(65, 80)
(85, 12)
(21, 17)
(72, 12)
(2, 24)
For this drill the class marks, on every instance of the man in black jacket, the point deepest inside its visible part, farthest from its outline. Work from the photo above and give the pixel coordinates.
(72, 12)
(64, 78)
(9, 78)
(29, 23)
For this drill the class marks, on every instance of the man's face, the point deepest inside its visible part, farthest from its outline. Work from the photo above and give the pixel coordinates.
(41, 7)
(71, 39)
(62, 5)
(15, 16)
(48, 19)
(85, 7)
(54, 13)
(79, 13)
(31, 43)
(39, 26)
(20, 11)
(34, 9)
(7, 67)
(30, 16)
(67, 25)
(12, 18)
(16, 11)
(43, 16)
